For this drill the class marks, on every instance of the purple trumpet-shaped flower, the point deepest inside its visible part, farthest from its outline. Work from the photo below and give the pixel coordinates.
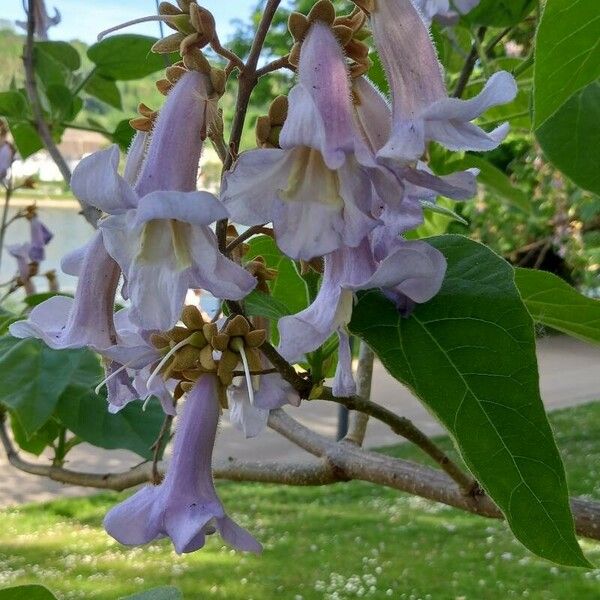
(412, 268)
(40, 238)
(249, 412)
(21, 252)
(185, 506)
(87, 319)
(315, 189)
(422, 110)
(158, 231)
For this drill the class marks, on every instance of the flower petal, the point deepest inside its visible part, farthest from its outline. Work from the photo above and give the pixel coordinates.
(250, 420)
(237, 536)
(250, 188)
(133, 522)
(215, 273)
(414, 268)
(320, 111)
(96, 182)
(197, 208)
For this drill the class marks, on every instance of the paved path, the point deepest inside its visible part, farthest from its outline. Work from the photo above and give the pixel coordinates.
(570, 375)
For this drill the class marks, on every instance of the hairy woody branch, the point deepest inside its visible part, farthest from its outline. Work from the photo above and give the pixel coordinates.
(364, 377)
(339, 461)
(90, 213)
(407, 429)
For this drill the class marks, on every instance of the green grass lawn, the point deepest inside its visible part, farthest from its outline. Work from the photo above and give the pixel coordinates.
(339, 542)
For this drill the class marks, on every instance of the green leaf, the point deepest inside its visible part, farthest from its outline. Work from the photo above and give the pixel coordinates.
(567, 137)
(125, 57)
(259, 304)
(61, 101)
(500, 13)
(27, 592)
(13, 104)
(50, 70)
(86, 415)
(62, 52)
(104, 89)
(26, 138)
(553, 302)
(566, 98)
(469, 356)
(123, 134)
(37, 442)
(33, 378)
(161, 593)
(289, 287)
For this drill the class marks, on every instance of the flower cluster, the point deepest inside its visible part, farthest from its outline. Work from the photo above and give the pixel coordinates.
(338, 173)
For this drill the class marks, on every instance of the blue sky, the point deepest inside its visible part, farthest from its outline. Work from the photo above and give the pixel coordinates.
(83, 19)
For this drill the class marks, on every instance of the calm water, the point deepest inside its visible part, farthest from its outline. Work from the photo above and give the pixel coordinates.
(70, 231)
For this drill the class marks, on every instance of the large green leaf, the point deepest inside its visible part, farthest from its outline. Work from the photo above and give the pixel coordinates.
(63, 52)
(27, 139)
(123, 134)
(259, 304)
(104, 89)
(289, 287)
(86, 415)
(27, 592)
(13, 104)
(469, 356)
(553, 302)
(33, 378)
(566, 97)
(125, 57)
(40, 440)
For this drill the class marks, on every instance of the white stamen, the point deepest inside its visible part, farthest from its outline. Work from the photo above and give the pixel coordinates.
(247, 371)
(104, 33)
(107, 379)
(165, 360)
(146, 402)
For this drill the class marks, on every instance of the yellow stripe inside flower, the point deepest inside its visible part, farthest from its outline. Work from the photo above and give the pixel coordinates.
(310, 180)
(159, 237)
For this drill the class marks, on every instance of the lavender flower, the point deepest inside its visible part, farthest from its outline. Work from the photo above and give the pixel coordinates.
(440, 10)
(86, 320)
(412, 268)
(7, 156)
(185, 506)
(314, 190)
(421, 108)
(21, 252)
(40, 238)
(158, 232)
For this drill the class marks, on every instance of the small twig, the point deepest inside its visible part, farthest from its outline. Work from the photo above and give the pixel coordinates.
(232, 57)
(158, 446)
(90, 213)
(263, 372)
(280, 63)
(469, 65)
(364, 377)
(246, 84)
(407, 429)
(254, 230)
(5, 221)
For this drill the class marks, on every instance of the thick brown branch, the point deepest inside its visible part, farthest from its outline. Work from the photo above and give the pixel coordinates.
(90, 213)
(407, 429)
(341, 462)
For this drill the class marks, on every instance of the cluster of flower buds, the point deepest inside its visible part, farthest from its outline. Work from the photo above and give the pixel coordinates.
(339, 175)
